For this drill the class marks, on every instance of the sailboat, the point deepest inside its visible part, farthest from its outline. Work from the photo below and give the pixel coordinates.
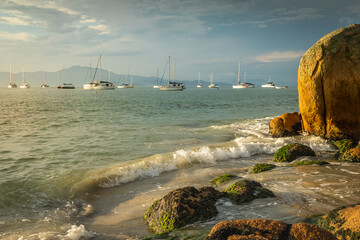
(99, 85)
(88, 86)
(212, 85)
(11, 84)
(24, 85)
(127, 85)
(65, 85)
(157, 80)
(44, 85)
(199, 85)
(239, 84)
(172, 86)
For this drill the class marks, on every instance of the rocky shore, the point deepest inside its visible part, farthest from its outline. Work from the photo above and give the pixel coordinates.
(329, 96)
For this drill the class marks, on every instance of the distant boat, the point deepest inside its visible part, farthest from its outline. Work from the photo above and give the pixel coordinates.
(269, 84)
(65, 85)
(103, 85)
(44, 85)
(172, 86)
(11, 84)
(212, 85)
(24, 85)
(127, 85)
(239, 84)
(199, 85)
(88, 86)
(157, 80)
(277, 87)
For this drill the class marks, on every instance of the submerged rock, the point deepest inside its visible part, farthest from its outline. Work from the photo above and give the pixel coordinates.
(267, 229)
(329, 85)
(246, 191)
(181, 207)
(288, 124)
(290, 152)
(262, 167)
(343, 222)
(222, 179)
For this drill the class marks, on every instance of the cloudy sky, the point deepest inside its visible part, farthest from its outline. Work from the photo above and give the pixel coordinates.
(269, 36)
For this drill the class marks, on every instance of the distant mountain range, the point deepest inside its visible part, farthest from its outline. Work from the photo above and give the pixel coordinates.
(79, 75)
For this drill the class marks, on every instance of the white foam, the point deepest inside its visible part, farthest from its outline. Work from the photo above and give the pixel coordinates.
(78, 232)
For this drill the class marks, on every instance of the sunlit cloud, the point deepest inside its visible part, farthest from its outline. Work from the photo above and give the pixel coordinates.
(103, 29)
(280, 56)
(20, 36)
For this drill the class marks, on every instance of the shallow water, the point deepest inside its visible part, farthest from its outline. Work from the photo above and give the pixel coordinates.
(68, 153)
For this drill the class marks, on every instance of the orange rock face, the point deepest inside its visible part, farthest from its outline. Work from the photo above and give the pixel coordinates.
(329, 85)
(287, 124)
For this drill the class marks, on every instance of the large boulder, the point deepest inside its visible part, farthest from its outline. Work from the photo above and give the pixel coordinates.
(181, 207)
(290, 152)
(265, 229)
(329, 85)
(288, 124)
(343, 222)
(245, 191)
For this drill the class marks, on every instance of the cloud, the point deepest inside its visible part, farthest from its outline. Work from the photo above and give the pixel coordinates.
(20, 36)
(103, 29)
(280, 56)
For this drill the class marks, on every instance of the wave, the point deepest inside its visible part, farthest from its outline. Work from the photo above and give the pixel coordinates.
(251, 139)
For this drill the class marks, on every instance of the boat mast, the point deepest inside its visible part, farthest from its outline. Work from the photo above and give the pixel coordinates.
(109, 76)
(239, 74)
(100, 70)
(245, 74)
(169, 71)
(198, 78)
(90, 64)
(10, 75)
(174, 68)
(23, 75)
(63, 74)
(157, 78)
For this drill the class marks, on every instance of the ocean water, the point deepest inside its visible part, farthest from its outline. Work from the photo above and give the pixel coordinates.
(77, 164)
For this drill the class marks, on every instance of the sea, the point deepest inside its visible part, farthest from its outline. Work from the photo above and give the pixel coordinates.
(80, 164)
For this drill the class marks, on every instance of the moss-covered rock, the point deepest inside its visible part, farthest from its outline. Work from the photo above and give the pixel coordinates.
(245, 191)
(262, 167)
(343, 222)
(351, 155)
(305, 162)
(222, 179)
(181, 207)
(262, 229)
(343, 146)
(290, 152)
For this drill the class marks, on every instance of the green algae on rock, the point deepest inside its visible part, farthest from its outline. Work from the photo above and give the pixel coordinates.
(245, 191)
(181, 207)
(305, 162)
(290, 152)
(343, 222)
(262, 167)
(343, 145)
(222, 179)
(351, 155)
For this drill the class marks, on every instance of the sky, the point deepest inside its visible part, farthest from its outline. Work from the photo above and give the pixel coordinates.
(267, 36)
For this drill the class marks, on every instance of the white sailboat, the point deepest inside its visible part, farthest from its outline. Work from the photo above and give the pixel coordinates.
(212, 85)
(100, 85)
(88, 86)
(172, 86)
(11, 84)
(199, 84)
(24, 85)
(269, 84)
(127, 84)
(239, 85)
(44, 85)
(157, 80)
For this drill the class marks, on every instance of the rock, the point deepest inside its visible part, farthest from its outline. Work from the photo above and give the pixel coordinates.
(306, 162)
(301, 231)
(290, 152)
(262, 167)
(181, 207)
(288, 124)
(351, 155)
(267, 229)
(246, 191)
(222, 179)
(343, 145)
(343, 222)
(329, 85)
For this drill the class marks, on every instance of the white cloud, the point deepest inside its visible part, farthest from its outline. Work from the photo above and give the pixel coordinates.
(280, 56)
(103, 29)
(20, 36)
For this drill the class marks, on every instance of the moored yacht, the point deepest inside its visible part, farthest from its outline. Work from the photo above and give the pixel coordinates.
(199, 84)
(212, 85)
(66, 86)
(269, 84)
(11, 84)
(24, 85)
(44, 85)
(172, 86)
(102, 85)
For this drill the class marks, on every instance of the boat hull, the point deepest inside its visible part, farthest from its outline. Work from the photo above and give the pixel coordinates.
(171, 88)
(103, 88)
(239, 86)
